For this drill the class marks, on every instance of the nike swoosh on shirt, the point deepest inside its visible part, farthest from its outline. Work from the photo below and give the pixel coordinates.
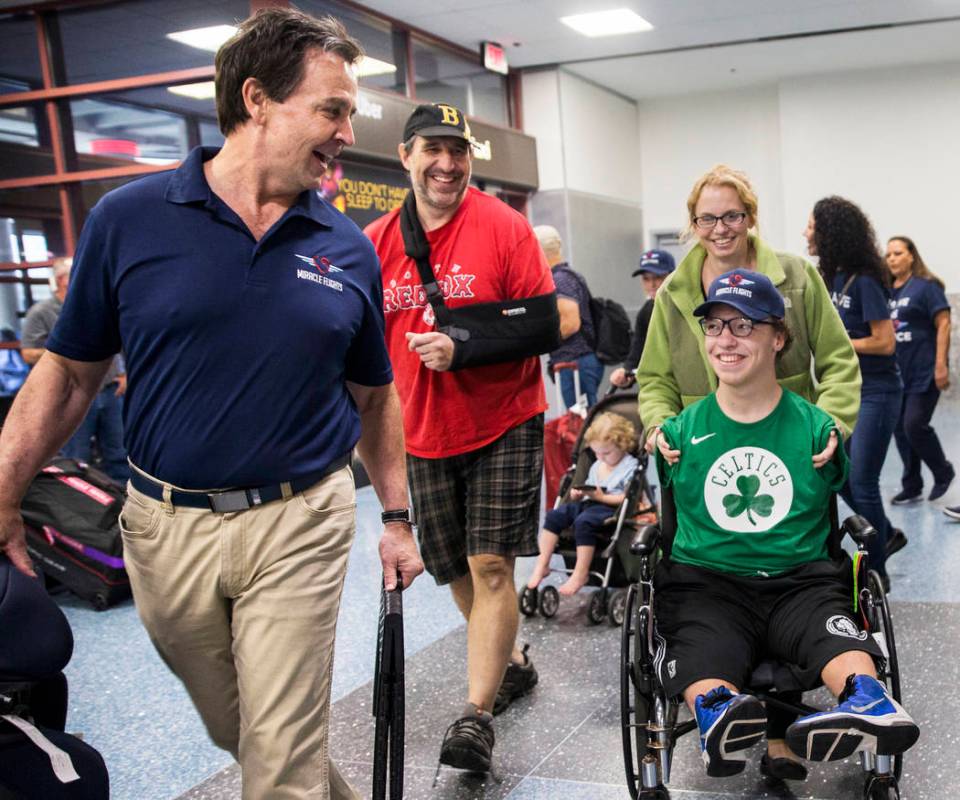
(698, 439)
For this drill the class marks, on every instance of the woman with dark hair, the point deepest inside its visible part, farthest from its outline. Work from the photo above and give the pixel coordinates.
(840, 234)
(921, 316)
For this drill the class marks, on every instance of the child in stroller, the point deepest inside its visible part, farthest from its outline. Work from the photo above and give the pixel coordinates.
(611, 437)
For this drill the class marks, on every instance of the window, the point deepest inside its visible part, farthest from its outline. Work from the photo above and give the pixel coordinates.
(117, 40)
(19, 57)
(442, 76)
(386, 64)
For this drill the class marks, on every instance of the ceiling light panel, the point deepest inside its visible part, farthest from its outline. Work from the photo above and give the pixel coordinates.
(204, 38)
(607, 23)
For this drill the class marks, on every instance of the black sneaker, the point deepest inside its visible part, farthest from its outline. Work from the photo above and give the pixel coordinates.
(468, 742)
(896, 541)
(904, 498)
(940, 487)
(953, 513)
(517, 681)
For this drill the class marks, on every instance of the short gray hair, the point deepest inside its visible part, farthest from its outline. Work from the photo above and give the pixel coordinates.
(549, 238)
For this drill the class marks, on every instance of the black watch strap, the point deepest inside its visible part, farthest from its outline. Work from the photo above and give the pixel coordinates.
(397, 515)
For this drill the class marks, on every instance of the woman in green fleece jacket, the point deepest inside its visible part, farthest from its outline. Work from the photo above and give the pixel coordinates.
(820, 364)
(674, 371)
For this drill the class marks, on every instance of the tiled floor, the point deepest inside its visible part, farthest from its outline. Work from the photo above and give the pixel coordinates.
(563, 741)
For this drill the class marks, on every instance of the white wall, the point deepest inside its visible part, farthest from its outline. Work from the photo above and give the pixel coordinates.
(587, 137)
(682, 137)
(888, 140)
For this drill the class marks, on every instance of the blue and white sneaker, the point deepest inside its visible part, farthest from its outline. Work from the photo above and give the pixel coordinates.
(866, 719)
(729, 725)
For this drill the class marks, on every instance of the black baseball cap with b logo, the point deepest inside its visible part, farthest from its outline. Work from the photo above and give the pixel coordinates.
(437, 119)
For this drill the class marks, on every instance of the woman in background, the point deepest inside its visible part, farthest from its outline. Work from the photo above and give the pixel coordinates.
(921, 315)
(840, 234)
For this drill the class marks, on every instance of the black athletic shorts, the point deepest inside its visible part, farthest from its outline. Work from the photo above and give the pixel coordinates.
(484, 501)
(716, 625)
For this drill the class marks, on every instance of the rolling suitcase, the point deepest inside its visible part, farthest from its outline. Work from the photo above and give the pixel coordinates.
(70, 513)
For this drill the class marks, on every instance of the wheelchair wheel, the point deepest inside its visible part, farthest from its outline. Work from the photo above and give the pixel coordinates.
(528, 601)
(635, 697)
(549, 601)
(597, 609)
(881, 625)
(618, 602)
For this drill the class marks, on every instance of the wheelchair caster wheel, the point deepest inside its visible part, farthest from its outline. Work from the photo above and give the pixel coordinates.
(881, 789)
(597, 610)
(528, 601)
(549, 601)
(618, 605)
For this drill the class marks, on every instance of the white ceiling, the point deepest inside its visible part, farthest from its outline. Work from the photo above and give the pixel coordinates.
(700, 44)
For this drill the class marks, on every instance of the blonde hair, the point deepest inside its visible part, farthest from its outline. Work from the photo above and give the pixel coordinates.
(610, 428)
(722, 175)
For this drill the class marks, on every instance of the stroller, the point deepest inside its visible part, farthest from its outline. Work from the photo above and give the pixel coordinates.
(613, 567)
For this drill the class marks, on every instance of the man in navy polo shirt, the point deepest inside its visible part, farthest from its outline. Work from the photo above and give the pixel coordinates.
(250, 314)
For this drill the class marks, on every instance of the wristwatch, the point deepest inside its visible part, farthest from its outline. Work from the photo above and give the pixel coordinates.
(397, 515)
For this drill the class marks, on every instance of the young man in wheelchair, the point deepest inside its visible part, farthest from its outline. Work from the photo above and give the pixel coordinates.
(749, 574)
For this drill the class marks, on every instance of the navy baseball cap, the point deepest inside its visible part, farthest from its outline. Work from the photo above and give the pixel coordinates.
(751, 293)
(656, 262)
(437, 119)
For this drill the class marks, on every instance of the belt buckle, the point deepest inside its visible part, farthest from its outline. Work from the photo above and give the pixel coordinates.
(225, 502)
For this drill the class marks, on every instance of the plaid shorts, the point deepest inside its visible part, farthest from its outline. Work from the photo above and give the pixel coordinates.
(484, 501)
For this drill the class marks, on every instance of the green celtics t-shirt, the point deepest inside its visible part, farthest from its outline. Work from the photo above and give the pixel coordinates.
(748, 498)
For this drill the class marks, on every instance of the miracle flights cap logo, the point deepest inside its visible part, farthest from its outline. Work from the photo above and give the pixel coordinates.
(748, 490)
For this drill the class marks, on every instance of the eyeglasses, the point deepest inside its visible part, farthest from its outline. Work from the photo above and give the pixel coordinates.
(731, 219)
(740, 327)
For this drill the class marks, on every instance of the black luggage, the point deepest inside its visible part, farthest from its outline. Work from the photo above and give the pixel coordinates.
(70, 512)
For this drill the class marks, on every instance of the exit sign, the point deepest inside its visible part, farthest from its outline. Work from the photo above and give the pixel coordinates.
(494, 57)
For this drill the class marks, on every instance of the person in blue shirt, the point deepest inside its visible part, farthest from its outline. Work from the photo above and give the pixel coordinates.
(840, 234)
(250, 312)
(921, 316)
(576, 322)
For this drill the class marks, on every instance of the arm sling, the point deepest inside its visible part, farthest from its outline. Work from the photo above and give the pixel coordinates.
(482, 333)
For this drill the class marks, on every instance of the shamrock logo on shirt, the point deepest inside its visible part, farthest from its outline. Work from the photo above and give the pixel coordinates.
(748, 500)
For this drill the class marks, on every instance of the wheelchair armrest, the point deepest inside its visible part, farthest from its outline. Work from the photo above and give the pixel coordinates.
(858, 529)
(645, 540)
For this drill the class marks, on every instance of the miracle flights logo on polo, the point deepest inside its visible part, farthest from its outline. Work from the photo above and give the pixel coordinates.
(748, 490)
(323, 267)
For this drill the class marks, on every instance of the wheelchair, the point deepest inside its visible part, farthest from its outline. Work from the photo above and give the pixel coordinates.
(650, 728)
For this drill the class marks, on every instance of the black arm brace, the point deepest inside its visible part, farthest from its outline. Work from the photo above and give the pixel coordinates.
(482, 333)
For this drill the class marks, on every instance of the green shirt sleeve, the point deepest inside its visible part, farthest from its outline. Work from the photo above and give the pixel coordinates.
(672, 432)
(834, 472)
(659, 393)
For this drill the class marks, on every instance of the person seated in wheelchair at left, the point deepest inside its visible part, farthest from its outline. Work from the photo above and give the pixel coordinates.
(749, 575)
(612, 438)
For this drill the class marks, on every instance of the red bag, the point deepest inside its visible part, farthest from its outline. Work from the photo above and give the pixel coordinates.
(559, 438)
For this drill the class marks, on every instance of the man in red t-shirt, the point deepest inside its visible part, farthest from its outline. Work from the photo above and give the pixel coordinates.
(474, 436)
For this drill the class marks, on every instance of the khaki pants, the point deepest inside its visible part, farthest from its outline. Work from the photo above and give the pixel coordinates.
(243, 608)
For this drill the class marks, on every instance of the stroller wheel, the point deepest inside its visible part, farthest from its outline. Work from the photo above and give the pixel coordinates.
(549, 601)
(528, 601)
(618, 604)
(597, 609)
